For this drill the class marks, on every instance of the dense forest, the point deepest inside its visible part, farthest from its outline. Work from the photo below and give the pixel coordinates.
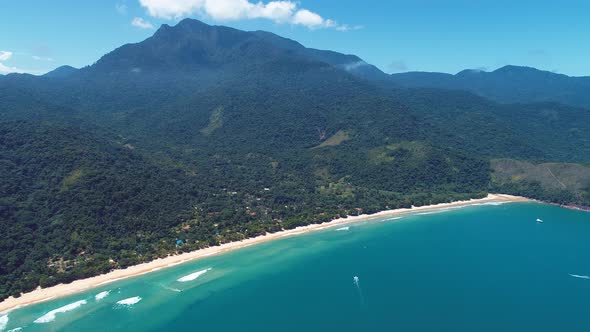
(209, 134)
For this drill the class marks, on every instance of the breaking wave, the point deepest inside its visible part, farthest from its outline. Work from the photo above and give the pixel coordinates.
(193, 276)
(3, 322)
(130, 301)
(442, 210)
(50, 316)
(172, 289)
(101, 295)
(343, 228)
(491, 203)
(431, 212)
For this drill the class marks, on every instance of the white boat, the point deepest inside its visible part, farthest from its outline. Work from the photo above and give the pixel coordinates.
(539, 220)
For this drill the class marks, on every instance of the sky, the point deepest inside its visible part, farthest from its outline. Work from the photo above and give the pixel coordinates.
(395, 35)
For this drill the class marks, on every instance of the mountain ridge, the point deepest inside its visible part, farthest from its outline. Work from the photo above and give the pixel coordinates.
(508, 84)
(194, 45)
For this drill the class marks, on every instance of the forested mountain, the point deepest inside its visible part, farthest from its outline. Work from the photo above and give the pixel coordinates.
(192, 46)
(61, 72)
(509, 84)
(208, 134)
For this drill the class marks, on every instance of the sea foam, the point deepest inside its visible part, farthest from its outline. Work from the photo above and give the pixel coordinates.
(490, 203)
(432, 212)
(130, 301)
(15, 329)
(193, 276)
(3, 322)
(101, 295)
(50, 316)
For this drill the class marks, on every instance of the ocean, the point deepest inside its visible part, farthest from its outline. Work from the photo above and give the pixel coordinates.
(477, 268)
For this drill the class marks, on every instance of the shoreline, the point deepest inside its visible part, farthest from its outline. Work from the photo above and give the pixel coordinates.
(61, 290)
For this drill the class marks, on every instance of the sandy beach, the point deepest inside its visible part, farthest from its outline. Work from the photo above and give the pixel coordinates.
(40, 295)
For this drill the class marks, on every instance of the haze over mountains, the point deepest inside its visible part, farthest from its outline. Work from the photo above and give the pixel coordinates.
(192, 45)
(209, 134)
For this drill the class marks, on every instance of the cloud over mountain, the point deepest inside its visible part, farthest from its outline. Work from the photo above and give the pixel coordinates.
(141, 23)
(282, 11)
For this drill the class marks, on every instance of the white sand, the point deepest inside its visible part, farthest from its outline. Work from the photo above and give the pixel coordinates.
(44, 294)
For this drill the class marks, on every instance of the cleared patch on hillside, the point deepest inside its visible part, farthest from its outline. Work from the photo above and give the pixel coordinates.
(336, 139)
(564, 176)
(388, 153)
(71, 179)
(342, 188)
(215, 122)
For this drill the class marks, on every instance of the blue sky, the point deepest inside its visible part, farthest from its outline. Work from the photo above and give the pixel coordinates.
(396, 35)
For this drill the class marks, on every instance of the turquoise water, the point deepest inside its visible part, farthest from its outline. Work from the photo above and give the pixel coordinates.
(481, 268)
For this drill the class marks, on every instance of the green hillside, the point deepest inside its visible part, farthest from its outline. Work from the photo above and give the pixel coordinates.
(210, 134)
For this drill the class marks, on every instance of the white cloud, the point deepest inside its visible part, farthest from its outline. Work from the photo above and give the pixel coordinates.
(226, 10)
(141, 23)
(398, 66)
(121, 8)
(346, 27)
(41, 58)
(279, 11)
(307, 18)
(5, 55)
(171, 9)
(355, 65)
(7, 70)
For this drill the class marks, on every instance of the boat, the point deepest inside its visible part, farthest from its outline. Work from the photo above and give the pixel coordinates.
(539, 220)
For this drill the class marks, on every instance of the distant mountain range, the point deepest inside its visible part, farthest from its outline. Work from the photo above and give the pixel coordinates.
(509, 84)
(210, 134)
(217, 52)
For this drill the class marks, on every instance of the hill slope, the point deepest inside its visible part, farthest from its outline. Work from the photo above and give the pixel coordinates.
(209, 134)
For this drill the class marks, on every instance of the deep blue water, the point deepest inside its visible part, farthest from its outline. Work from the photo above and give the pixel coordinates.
(480, 268)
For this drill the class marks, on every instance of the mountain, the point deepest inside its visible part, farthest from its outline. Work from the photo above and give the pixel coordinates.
(192, 46)
(61, 72)
(509, 84)
(208, 134)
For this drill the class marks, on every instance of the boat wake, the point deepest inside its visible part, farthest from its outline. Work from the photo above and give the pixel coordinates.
(579, 276)
(101, 295)
(356, 281)
(50, 316)
(193, 276)
(130, 301)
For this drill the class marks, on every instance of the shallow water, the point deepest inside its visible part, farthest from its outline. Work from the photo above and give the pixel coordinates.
(480, 268)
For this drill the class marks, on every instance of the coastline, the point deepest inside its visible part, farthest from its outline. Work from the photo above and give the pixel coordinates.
(61, 290)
